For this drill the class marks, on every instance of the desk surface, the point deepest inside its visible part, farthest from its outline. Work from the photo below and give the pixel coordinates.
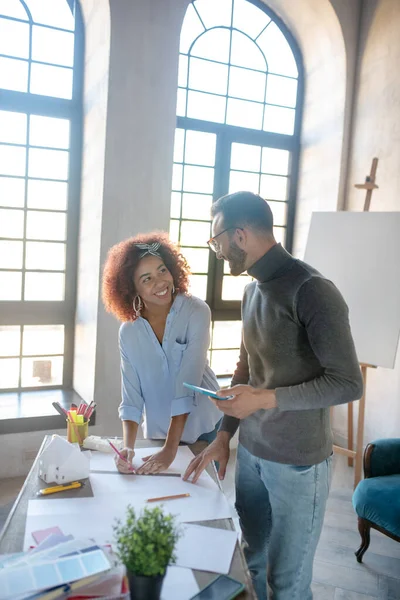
(12, 535)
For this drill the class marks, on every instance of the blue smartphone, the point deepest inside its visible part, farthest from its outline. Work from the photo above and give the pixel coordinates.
(195, 388)
(222, 588)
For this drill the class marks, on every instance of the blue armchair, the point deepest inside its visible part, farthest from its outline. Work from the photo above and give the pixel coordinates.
(376, 499)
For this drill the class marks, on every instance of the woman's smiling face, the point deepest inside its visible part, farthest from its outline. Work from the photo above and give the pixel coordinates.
(153, 282)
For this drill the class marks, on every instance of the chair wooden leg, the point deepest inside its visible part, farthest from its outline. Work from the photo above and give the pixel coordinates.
(350, 430)
(360, 431)
(364, 529)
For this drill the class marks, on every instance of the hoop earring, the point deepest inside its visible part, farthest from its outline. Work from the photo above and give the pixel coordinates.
(137, 306)
(173, 289)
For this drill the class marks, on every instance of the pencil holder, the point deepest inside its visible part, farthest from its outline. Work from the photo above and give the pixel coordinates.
(77, 432)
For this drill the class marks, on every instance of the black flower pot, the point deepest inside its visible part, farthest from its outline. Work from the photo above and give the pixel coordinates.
(145, 588)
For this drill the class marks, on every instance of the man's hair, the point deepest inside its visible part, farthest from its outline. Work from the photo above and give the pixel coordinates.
(244, 208)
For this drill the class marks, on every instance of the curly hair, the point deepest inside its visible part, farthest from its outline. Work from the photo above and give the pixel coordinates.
(118, 288)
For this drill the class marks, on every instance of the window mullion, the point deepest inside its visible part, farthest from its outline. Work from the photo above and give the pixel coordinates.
(221, 187)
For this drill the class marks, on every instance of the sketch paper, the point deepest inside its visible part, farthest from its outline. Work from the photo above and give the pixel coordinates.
(94, 517)
(105, 462)
(179, 584)
(206, 548)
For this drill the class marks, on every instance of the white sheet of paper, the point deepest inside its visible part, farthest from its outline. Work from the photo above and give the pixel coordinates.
(95, 517)
(105, 462)
(206, 548)
(179, 584)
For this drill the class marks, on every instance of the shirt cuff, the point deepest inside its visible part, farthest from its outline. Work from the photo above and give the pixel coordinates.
(229, 424)
(182, 406)
(285, 400)
(129, 413)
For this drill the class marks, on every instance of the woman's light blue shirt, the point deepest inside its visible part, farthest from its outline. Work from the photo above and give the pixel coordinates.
(153, 373)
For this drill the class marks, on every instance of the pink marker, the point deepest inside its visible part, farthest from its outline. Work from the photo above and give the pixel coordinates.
(121, 457)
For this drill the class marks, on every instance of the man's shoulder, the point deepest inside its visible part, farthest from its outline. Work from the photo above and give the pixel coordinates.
(301, 275)
(313, 289)
(305, 270)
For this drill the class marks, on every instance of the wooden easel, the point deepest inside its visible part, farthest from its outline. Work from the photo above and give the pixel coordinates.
(369, 185)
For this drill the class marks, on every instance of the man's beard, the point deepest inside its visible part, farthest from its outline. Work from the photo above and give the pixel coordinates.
(237, 259)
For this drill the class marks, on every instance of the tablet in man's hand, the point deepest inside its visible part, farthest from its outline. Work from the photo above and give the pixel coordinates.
(210, 393)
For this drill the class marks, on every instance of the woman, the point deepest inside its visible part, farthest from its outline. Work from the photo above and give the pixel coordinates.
(163, 342)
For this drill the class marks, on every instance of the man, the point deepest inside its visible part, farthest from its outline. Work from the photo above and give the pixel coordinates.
(297, 359)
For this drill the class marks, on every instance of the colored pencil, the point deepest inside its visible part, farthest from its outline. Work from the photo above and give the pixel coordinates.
(168, 498)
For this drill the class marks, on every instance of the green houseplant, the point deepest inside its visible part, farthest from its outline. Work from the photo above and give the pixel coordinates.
(145, 545)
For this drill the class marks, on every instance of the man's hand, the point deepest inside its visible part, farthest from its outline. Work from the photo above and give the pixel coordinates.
(160, 461)
(217, 450)
(247, 400)
(125, 466)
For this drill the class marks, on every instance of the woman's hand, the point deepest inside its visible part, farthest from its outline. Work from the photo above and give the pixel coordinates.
(125, 466)
(160, 461)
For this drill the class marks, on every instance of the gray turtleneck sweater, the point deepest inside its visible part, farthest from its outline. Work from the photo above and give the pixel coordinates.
(297, 341)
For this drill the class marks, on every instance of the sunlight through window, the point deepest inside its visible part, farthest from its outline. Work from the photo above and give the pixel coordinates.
(39, 76)
(237, 129)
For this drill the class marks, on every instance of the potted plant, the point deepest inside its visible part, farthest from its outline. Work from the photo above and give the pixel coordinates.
(145, 545)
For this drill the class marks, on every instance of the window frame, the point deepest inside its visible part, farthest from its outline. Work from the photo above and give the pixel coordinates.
(226, 135)
(25, 312)
(223, 310)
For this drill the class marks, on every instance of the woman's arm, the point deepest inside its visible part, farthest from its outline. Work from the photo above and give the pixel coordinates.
(130, 409)
(123, 460)
(175, 430)
(129, 429)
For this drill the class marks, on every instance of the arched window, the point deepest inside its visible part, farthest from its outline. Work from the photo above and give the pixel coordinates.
(41, 55)
(238, 126)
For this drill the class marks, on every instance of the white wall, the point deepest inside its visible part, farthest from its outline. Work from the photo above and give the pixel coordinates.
(315, 26)
(97, 51)
(377, 133)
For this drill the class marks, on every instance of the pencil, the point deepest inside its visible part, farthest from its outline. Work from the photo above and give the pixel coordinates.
(121, 457)
(168, 498)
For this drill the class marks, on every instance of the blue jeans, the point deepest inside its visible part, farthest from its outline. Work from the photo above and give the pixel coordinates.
(211, 435)
(281, 509)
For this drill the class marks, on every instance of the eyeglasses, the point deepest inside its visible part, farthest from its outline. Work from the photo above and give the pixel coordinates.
(213, 244)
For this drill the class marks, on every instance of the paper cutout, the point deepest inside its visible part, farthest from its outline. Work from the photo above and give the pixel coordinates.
(62, 462)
